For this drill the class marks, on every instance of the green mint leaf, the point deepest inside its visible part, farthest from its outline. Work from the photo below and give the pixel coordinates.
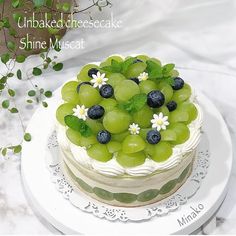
(154, 70)
(18, 17)
(135, 103)
(166, 69)
(27, 137)
(19, 74)
(116, 66)
(127, 63)
(78, 125)
(5, 104)
(37, 71)
(15, 3)
(107, 69)
(58, 67)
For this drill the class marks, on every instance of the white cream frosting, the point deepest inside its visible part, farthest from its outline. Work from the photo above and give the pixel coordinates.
(113, 168)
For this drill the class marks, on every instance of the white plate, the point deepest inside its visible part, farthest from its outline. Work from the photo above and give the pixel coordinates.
(69, 219)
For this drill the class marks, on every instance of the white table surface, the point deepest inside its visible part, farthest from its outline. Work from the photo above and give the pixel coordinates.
(197, 34)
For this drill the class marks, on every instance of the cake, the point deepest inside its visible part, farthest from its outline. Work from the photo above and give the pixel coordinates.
(128, 130)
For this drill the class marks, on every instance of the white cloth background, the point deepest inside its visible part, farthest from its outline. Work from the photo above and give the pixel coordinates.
(199, 36)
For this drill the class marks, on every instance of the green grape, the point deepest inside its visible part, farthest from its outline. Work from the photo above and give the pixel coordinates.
(73, 136)
(115, 79)
(99, 152)
(162, 109)
(143, 133)
(135, 69)
(182, 132)
(143, 58)
(114, 146)
(147, 86)
(87, 141)
(155, 60)
(108, 104)
(116, 121)
(120, 137)
(133, 143)
(64, 110)
(83, 74)
(107, 62)
(89, 96)
(178, 116)
(143, 117)
(191, 109)
(69, 92)
(167, 90)
(183, 94)
(162, 152)
(168, 135)
(149, 149)
(95, 125)
(126, 90)
(130, 160)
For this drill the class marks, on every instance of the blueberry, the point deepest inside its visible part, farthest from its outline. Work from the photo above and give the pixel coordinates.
(78, 87)
(106, 91)
(92, 71)
(136, 80)
(103, 136)
(172, 105)
(178, 83)
(153, 137)
(137, 60)
(155, 99)
(96, 112)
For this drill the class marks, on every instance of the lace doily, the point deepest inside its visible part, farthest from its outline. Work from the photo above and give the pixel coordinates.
(112, 213)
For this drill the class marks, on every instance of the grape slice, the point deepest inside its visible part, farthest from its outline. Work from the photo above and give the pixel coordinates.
(99, 152)
(89, 96)
(191, 109)
(167, 90)
(115, 78)
(108, 104)
(120, 137)
(126, 90)
(69, 92)
(107, 62)
(130, 160)
(73, 136)
(133, 143)
(83, 74)
(178, 116)
(147, 86)
(183, 94)
(87, 141)
(162, 152)
(162, 109)
(143, 117)
(143, 58)
(116, 121)
(135, 69)
(168, 135)
(64, 110)
(114, 146)
(182, 132)
(95, 125)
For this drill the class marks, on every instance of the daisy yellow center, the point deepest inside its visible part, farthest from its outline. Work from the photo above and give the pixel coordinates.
(82, 112)
(159, 122)
(99, 80)
(145, 77)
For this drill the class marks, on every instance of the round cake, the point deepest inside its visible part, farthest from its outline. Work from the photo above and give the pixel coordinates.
(128, 129)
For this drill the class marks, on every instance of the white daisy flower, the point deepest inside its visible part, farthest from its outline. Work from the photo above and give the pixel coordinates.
(98, 80)
(159, 121)
(134, 128)
(80, 112)
(143, 76)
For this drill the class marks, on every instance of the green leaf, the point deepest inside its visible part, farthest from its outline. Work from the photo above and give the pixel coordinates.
(48, 94)
(5, 104)
(6, 22)
(53, 30)
(17, 149)
(166, 69)
(10, 75)
(66, 7)
(19, 74)
(2, 86)
(1, 1)
(14, 110)
(78, 125)
(18, 17)
(3, 80)
(4, 151)
(115, 67)
(11, 45)
(135, 103)
(37, 71)
(11, 92)
(38, 3)
(58, 67)
(12, 31)
(20, 58)
(154, 70)
(45, 104)
(127, 63)
(27, 137)
(31, 93)
(15, 3)
(29, 101)
(49, 3)
(5, 58)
